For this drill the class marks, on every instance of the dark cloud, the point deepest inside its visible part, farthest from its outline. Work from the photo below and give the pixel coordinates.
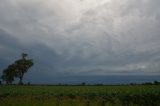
(11, 48)
(82, 38)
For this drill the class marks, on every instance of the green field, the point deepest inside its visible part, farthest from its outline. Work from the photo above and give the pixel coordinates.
(138, 95)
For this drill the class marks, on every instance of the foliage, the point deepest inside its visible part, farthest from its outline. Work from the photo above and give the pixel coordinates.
(9, 73)
(22, 66)
(17, 69)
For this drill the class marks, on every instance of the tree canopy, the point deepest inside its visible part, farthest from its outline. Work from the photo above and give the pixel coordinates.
(17, 69)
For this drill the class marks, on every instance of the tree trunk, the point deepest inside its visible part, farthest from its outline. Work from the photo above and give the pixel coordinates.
(20, 80)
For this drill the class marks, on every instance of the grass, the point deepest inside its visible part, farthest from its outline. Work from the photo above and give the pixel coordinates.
(139, 95)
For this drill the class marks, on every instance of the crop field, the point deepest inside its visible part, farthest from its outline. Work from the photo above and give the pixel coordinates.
(138, 95)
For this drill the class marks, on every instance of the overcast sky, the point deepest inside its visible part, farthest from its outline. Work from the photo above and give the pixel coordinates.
(82, 37)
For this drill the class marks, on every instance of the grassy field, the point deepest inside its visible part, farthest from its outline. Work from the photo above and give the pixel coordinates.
(139, 95)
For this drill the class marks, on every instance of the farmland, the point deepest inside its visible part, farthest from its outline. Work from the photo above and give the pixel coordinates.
(126, 95)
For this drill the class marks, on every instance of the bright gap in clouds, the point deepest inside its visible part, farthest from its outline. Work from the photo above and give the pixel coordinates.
(72, 10)
(93, 3)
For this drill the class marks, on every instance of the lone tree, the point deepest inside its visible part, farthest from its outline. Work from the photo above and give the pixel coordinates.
(17, 69)
(22, 66)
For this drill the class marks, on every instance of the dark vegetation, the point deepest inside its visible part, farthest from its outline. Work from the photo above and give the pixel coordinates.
(17, 70)
(138, 95)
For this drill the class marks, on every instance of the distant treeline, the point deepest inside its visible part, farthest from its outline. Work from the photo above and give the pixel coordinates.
(88, 84)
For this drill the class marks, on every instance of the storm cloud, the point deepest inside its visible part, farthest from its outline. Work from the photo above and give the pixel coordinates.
(82, 37)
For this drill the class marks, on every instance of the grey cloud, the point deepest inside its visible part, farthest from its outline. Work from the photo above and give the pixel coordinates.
(45, 58)
(117, 37)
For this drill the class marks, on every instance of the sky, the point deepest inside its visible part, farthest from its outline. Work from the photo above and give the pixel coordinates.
(81, 37)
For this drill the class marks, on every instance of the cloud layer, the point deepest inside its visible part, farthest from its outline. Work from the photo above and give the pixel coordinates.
(82, 37)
